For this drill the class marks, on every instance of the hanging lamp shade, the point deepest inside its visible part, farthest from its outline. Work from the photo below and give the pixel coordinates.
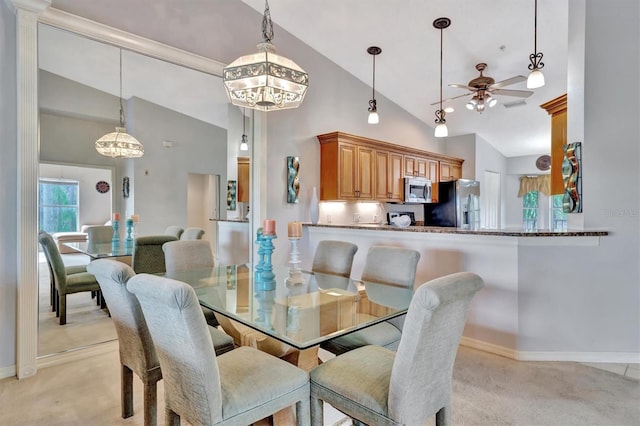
(265, 80)
(119, 144)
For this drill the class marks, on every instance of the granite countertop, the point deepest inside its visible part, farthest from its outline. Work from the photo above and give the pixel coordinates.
(451, 230)
(229, 220)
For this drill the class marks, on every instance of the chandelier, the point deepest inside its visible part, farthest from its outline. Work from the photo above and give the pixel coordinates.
(265, 81)
(120, 144)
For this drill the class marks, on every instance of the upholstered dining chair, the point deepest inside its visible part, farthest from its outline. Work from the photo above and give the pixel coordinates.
(99, 234)
(192, 234)
(378, 386)
(176, 231)
(334, 257)
(183, 255)
(66, 280)
(137, 354)
(236, 388)
(148, 256)
(387, 265)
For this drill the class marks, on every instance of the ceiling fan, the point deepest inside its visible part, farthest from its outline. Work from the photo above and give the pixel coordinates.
(483, 87)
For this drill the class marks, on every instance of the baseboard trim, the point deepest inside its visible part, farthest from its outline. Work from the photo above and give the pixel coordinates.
(594, 357)
(6, 372)
(77, 354)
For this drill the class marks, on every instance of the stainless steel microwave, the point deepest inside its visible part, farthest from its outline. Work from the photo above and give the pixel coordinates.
(417, 190)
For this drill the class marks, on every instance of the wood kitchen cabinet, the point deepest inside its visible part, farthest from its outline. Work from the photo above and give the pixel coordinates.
(450, 171)
(557, 109)
(389, 185)
(356, 168)
(244, 166)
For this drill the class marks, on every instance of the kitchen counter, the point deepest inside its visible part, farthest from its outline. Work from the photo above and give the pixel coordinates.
(451, 230)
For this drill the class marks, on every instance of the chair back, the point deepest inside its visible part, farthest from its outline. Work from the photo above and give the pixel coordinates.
(187, 254)
(192, 234)
(183, 344)
(176, 231)
(136, 347)
(148, 256)
(99, 234)
(334, 257)
(422, 370)
(391, 265)
(54, 259)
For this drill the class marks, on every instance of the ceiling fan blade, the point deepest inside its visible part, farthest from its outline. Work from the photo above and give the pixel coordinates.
(508, 82)
(450, 99)
(462, 86)
(518, 93)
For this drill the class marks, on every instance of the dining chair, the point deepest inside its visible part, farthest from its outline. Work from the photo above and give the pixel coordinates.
(66, 280)
(236, 388)
(334, 257)
(183, 255)
(137, 353)
(147, 255)
(176, 231)
(378, 386)
(192, 234)
(386, 265)
(99, 234)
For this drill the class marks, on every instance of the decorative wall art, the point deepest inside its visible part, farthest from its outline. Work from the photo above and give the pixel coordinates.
(125, 187)
(293, 182)
(231, 195)
(572, 176)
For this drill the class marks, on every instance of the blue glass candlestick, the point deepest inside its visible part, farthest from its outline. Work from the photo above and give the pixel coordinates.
(267, 277)
(129, 239)
(258, 268)
(115, 240)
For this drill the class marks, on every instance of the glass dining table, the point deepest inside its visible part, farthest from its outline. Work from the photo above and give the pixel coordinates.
(299, 308)
(103, 250)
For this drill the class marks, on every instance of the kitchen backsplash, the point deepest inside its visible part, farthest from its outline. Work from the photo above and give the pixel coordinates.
(348, 213)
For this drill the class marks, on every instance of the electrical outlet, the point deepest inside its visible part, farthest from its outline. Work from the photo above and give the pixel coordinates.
(329, 219)
(356, 217)
(375, 218)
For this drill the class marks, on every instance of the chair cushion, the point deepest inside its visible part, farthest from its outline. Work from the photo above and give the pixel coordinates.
(362, 376)
(75, 269)
(222, 342)
(382, 334)
(276, 378)
(82, 281)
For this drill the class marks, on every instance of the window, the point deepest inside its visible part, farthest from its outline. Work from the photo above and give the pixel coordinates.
(530, 211)
(58, 205)
(558, 216)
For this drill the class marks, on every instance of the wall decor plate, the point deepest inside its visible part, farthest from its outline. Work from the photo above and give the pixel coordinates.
(103, 187)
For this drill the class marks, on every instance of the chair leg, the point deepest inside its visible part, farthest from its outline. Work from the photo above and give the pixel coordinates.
(171, 418)
(103, 303)
(303, 416)
(62, 308)
(150, 404)
(316, 412)
(126, 391)
(442, 417)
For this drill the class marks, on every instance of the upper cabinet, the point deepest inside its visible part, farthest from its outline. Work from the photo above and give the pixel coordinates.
(557, 109)
(357, 168)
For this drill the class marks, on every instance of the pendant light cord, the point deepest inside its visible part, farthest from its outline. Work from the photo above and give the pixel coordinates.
(267, 25)
(121, 107)
(441, 29)
(535, 27)
(373, 94)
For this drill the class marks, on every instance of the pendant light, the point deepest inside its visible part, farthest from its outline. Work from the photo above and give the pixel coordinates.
(441, 130)
(536, 78)
(244, 146)
(265, 81)
(373, 107)
(120, 144)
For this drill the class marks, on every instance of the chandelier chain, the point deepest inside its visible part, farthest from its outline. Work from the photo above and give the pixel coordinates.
(121, 107)
(267, 25)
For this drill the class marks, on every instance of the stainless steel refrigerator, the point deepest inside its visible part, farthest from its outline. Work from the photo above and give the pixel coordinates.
(458, 205)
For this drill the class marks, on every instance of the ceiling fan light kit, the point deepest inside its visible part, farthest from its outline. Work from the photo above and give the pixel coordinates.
(441, 129)
(119, 144)
(536, 78)
(265, 81)
(373, 107)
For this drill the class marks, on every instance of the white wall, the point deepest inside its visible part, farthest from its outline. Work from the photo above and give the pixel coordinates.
(464, 147)
(488, 159)
(8, 194)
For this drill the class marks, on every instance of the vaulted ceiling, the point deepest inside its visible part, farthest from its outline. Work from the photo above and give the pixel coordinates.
(497, 32)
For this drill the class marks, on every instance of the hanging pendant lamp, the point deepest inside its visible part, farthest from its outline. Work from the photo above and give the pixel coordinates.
(120, 144)
(265, 81)
(244, 145)
(373, 107)
(441, 130)
(536, 78)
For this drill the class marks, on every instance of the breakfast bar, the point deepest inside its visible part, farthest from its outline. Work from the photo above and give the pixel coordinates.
(528, 286)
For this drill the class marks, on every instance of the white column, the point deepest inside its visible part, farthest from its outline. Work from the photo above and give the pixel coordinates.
(27, 12)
